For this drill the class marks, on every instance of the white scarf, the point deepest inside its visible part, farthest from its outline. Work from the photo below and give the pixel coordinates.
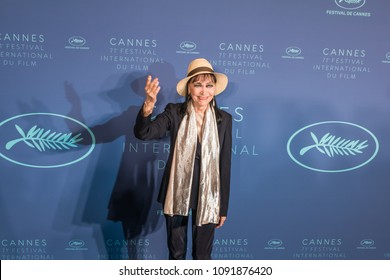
(178, 195)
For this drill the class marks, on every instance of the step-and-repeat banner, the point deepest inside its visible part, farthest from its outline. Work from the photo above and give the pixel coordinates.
(309, 93)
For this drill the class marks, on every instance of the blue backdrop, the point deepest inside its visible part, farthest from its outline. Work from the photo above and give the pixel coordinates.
(309, 93)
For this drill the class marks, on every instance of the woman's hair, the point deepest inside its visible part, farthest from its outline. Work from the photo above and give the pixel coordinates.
(183, 109)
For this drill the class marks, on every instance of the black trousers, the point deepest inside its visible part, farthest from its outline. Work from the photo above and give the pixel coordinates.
(202, 238)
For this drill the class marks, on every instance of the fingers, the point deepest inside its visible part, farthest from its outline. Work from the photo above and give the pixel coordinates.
(152, 88)
(221, 221)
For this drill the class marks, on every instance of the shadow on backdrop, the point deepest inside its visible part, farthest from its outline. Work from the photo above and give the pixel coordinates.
(135, 188)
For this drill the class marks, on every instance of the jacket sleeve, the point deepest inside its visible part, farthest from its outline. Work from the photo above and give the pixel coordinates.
(225, 166)
(146, 128)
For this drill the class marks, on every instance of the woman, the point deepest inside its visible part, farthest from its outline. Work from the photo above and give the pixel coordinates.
(196, 179)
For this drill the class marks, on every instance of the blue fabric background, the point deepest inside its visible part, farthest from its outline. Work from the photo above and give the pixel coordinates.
(296, 69)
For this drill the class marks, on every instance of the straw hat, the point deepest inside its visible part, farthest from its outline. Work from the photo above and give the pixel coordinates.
(202, 66)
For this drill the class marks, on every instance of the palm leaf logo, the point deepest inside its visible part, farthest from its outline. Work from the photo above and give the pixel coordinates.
(42, 140)
(331, 146)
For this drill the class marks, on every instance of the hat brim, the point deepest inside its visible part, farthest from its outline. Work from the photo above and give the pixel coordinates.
(222, 81)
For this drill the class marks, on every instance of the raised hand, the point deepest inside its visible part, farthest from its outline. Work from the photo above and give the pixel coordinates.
(152, 88)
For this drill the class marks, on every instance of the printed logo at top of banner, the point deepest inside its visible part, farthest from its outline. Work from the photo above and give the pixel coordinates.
(343, 63)
(187, 47)
(350, 4)
(387, 56)
(23, 50)
(241, 58)
(349, 8)
(332, 146)
(43, 140)
(293, 52)
(131, 54)
(77, 43)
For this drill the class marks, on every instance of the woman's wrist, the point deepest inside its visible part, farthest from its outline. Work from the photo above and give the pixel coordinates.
(147, 108)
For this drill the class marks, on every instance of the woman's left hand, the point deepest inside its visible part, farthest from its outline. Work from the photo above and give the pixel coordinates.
(222, 220)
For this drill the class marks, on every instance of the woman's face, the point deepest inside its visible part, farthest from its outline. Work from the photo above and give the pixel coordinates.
(202, 90)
